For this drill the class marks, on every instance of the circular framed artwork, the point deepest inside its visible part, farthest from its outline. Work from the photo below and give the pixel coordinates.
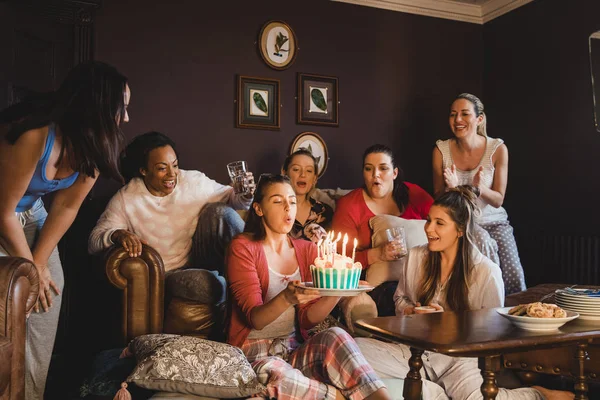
(316, 145)
(277, 44)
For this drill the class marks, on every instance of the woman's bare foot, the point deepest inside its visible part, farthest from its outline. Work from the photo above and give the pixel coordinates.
(554, 394)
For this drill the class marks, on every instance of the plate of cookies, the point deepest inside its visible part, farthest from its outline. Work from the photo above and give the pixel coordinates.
(537, 316)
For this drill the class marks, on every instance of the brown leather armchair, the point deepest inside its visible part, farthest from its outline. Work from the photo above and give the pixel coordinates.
(18, 293)
(144, 309)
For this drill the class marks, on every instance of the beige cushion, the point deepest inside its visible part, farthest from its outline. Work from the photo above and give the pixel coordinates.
(190, 365)
(384, 271)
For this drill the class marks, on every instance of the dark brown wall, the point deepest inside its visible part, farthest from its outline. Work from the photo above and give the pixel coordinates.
(538, 94)
(397, 74)
(539, 99)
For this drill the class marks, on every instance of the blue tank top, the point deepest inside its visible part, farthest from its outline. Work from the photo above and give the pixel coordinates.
(39, 184)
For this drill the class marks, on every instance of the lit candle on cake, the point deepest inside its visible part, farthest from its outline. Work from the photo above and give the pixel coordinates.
(354, 249)
(344, 242)
(319, 248)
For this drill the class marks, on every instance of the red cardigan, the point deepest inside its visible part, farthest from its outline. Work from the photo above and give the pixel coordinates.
(248, 281)
(352, 216)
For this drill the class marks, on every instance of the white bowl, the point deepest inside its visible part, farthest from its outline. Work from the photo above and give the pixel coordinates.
(536, 324)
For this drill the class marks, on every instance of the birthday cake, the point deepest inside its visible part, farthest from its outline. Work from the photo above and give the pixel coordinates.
(342, 274)
(332, 270)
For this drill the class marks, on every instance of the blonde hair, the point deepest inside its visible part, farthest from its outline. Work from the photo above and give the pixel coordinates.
(479, 110)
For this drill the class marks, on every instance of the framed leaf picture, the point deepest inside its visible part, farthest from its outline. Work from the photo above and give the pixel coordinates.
(257, 103)
(317, 100)
(316, 145)
(277, 44)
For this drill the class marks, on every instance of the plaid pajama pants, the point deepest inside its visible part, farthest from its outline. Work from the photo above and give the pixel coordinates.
(327, 361)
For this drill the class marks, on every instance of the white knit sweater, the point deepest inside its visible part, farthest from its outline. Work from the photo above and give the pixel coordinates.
(167, 223)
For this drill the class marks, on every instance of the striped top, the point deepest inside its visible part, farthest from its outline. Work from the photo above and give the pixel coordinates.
(488, 213)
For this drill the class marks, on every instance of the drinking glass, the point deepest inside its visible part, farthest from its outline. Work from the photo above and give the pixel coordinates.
(398, 237)
(237, 172)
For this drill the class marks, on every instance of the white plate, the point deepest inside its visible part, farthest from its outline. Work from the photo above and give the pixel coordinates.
(579, 298)
(588, 318)
(578, 306)
(337, 292)
(581, 312)
(536, 324)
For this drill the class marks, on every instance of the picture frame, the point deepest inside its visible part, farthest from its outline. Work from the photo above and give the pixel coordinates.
(277, 45)
(318, 100)
(316, 145)
(258, 104)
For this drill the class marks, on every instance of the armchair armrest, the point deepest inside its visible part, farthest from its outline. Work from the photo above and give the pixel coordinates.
(19, 288)
(142, 281)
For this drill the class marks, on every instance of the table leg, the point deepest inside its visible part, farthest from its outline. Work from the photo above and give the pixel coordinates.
(413, 384)
(581, 386)
(489, 366)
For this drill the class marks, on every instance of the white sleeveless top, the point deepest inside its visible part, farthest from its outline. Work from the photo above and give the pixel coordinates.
(285, 324)
(488, 213)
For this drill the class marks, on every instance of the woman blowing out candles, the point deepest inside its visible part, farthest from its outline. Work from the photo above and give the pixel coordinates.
(271, 313)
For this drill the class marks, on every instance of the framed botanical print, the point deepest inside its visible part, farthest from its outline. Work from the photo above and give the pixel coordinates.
(277, 44)
(257, 103)
(317, 100)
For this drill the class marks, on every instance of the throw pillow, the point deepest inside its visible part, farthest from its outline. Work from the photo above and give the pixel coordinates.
(191, 365)
(106, 373)
(384, 271)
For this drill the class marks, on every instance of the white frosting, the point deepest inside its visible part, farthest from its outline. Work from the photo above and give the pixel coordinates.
(339, 262)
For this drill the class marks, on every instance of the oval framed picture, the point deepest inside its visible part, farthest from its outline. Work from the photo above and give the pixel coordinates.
(277, 44)
(316, 145)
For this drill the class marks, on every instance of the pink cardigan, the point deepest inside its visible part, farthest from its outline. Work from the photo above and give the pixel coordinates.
(248, 281)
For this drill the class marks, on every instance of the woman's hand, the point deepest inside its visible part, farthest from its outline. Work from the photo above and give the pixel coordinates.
(450, 177)
(478, 179)
(297, 295)
(314, 232)
(130, 242)
(409, 310)
(390, 251)
(431, 308)
(413, 309)
(47, 285)
(249, 185)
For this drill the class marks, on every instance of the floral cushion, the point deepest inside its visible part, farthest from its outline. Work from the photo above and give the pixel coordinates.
(191, 365)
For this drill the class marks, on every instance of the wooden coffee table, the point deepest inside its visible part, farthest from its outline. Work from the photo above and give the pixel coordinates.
(484, 334)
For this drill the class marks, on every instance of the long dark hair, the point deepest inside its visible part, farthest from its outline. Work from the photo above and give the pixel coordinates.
(135, 155)
(400, 190)
(461, 205)
(254, 224)
(86, 108)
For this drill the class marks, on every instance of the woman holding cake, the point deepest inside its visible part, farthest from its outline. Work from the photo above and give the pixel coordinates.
(270, 313)
(473, 158)
(449, 273)
(313, 217)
